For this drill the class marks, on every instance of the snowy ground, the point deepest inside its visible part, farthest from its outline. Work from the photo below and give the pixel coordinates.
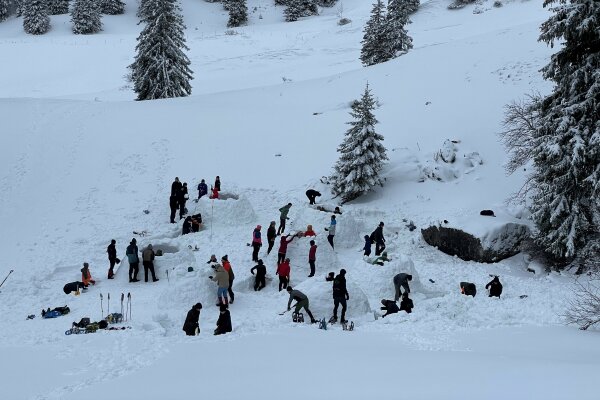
(82, 161)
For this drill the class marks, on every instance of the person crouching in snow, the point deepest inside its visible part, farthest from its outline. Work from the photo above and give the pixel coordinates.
(191, 326)
(406, 304)
(301, 302)
(224, 321)
(309, 231)
(389, 306)
(261, 273)
(86, 275)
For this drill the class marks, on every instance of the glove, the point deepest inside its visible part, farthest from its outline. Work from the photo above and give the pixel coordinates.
(347, 297)
(287, 217)
(210, 277)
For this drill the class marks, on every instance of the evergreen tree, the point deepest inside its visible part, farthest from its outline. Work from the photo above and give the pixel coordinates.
(566, 181)
(281, 2)
(57, 7)
(362, 155)
(326, 3)
(161, 68)
(294, 10)
(146, 9)
(3, 10)
(412, 5)
(112, 7)
(20, 6)
(375, 47)
(35, 17)
(397, 39)
(86, 17)
(238, 13)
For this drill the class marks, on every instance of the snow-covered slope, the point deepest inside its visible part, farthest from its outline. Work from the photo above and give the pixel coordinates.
(81, 162)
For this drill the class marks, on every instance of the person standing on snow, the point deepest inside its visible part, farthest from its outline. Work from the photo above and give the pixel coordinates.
(215, 193)
(191, 326)
(148, 262)
(312, 195)
(312, 258)
(283, 244)
(377, 237)
(401, 282)
(224, 321)
(283, 216)
(112, 258)
(283, 270)
(174, 204)
(261, 273)
(86, 275)
(340, 296)
(256, 242)
(227, 267)
(222, 279)
(301, 302)
(182, 197)
(218, 183)
(271, 235)
(175, 187)
(202, 189)
(134, 261)
(495, 287)
(367, 246)
(331, 230)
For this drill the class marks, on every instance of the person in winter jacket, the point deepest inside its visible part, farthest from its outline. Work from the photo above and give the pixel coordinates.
(283, 244)
(312, 258)
(73, 287)
(367, 247)
(256, 242)
(202, 189)
(495, 287)
(271, 235)
(301, 302)
(390, 307)
(187, 226)
(175, 187)
(224, 321)
(227, 267)
(213, 259)
(174, 205)
(182, 197)
(148, 262)
(382, 259)
(468, 289)
(377, 237)
(340, 296)
(406, 304)
(134, 261)
(312, 195)
(191, 326)
(309, 232)
(215, 193)
(401, 282)
(283, 216)
(331, 230)
(112, 258)
(218, 183)
(222, 279)
(261, 273)
(86, 275)
(283, 270)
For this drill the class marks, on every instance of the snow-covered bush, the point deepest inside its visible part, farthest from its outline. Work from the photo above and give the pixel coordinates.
(584, 309)
(86, 17)
(35, 17)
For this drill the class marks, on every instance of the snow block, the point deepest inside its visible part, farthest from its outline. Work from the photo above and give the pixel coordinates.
(479, 238)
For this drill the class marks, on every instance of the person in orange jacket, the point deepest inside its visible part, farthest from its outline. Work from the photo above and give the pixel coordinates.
(86, 275)
(309, 231)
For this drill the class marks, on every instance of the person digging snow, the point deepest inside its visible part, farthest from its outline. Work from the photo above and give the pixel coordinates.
(283, 270)
(390, 307)
(191, 326)
(261, 273)
(340, 296)
(222, 279)
(283, 244)
(86, 275)
(401, 282)
(224, 321)
(134, 261)
(406, 304)
(301, 302)
(312, 195)
(283, 216)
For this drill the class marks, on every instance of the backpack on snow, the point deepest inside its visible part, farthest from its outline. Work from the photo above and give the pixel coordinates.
(114, 318)
(82, 323)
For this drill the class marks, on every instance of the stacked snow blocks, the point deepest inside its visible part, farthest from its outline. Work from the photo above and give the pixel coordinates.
(506, 242)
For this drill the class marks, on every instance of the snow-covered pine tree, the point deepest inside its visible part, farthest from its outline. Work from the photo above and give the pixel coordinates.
(566, 180)
(375, 47)
(112, 7)
(86, 17)
(3, 10)
(362, 155)
(397, 38)
(227, 4)
(19, 5)
(281, 2)
(35, 17)
(326, 3)
(412, 5)
(238, 13)
(146, 9)
(161, 68)
(57, 7)
(293, 10)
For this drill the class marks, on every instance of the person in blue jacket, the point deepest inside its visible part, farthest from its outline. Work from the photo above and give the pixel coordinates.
(202, 189)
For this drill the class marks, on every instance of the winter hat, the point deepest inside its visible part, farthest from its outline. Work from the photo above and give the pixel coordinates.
(409, 277)
(86, 265)
(289, 289)
(381, 223)
(260, 262)
(224, 258)
(202, 181)
(133, 240)
(198, 306)
(309, 228)
(150, 246)
(312, 242)
(273, 222)
(223, 307)
(258, 227)
(113, 241)
(342, 271)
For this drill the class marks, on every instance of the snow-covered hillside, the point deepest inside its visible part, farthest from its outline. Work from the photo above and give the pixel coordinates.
(81, 162)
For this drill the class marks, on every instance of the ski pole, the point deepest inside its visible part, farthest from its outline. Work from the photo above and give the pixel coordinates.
(11, 271)
(168, 276)
(101, 305)
(108, 311)
(129, 304)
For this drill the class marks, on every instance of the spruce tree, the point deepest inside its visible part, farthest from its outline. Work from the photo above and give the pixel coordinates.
(112, 7)
(375, 47)
(566, 181)
(238, 13)
(326, 3)
(362, 155)
(20, 5)
(146, 9)
(3, 10)
(412, 5)
(294, 10)
(86, 17)
(161, 68)
(57, 7)
(35, 17)
(397, 39)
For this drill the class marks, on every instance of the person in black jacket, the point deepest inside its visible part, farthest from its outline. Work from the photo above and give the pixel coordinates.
(73, 287)
(340, 296)
(389, 306)
(187, 226)
(175, 187)
(377, 237)
(261, 273)
(174, 206)
(112, 258)
(495, 287)
(182, 197)
(218, 183)
(191, 325)
(224, 321)
(312, 195)
(406, 304)
(271, 235)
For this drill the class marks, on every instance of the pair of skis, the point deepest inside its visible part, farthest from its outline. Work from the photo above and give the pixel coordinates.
(126, 314)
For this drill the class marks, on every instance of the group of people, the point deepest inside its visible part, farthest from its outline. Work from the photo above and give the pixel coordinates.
(179, 197)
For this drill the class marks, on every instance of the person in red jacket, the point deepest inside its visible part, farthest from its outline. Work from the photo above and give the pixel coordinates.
(283, 270)
(256, 242)
(215, 193)
(312, 258)
(227, 267)
(283, 248)
(309, 231)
